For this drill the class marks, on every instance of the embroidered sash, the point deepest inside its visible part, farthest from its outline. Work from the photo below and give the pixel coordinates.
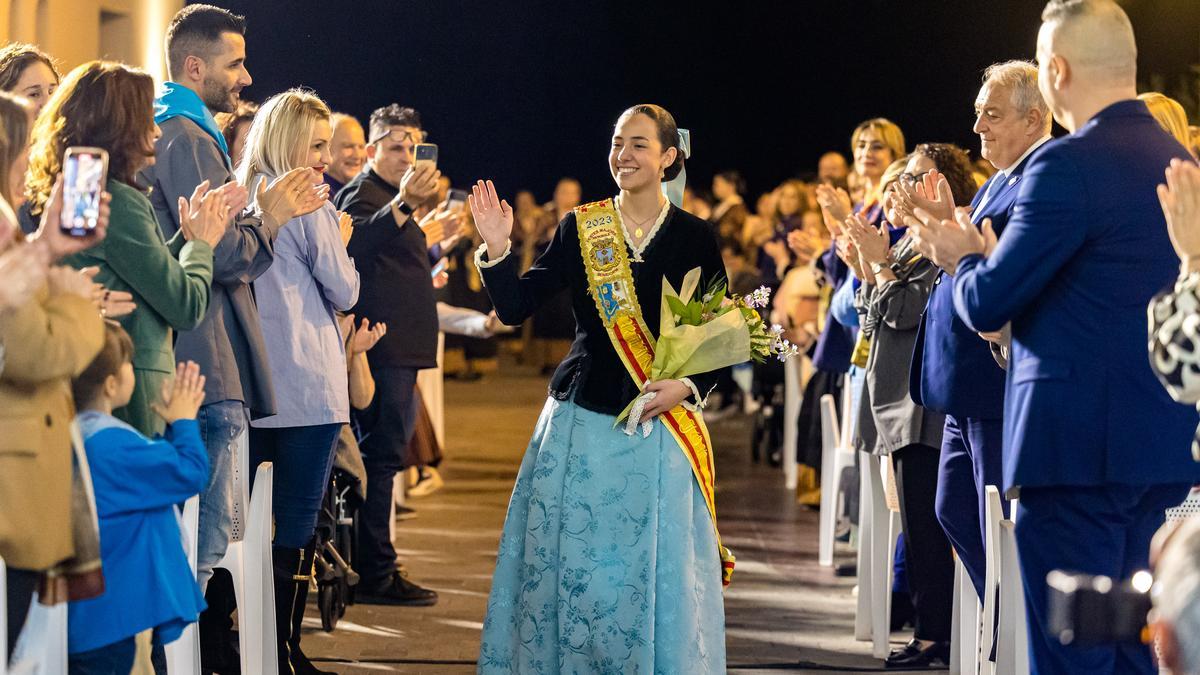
(610, 282)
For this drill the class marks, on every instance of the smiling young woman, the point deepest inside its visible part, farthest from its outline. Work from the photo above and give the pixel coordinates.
(610, 560)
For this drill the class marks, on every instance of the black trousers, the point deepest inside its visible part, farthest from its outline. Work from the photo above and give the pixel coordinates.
(388, 427)
(927, 557)
(21, 586)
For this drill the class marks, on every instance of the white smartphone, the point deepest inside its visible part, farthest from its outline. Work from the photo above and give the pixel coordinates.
(85, 171)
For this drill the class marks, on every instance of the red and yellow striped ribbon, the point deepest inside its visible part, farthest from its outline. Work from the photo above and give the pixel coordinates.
(610, 281)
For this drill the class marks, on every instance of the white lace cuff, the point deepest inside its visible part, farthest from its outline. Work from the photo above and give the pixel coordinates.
(484, 264)
(700, 400)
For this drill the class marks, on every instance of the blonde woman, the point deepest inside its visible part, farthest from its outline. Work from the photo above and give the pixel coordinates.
(1170, 115)
(311, 279)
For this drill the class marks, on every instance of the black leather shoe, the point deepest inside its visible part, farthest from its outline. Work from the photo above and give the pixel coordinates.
(913, 655)
(396, 590)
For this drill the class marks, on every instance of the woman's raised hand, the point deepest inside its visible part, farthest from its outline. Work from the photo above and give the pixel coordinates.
(493, 217)
(1180, 199)
(835, 201)
(206, 215)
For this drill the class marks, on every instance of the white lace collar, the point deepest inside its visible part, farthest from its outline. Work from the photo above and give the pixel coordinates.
(638, 250)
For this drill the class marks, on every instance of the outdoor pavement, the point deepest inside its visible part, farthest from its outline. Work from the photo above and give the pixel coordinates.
(783, 612)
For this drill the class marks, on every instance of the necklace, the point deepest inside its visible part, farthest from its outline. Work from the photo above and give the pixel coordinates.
(637, 231)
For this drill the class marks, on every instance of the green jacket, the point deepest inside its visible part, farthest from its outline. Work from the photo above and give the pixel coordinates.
(170, 280)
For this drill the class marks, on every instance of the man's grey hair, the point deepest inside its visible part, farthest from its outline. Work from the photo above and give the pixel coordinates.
(1020, 78)
(1096, 36)
(1177, 592)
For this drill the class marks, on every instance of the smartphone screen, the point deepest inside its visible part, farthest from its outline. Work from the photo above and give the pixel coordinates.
(439, 267)
(84, 174)
(425, 153)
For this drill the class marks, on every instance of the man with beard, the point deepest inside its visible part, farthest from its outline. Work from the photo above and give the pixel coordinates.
(206, 53)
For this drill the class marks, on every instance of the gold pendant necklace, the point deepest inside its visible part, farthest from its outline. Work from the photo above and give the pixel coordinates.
(637, 227)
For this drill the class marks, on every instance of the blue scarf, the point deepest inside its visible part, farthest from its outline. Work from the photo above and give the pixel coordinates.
(176, 100)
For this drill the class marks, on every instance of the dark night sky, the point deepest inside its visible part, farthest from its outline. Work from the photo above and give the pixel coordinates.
(526, 91)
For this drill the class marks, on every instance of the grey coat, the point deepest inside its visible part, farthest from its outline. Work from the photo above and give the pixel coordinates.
(889, 314)
(228, 344)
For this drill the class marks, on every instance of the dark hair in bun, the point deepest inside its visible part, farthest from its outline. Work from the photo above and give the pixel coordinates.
(668, 133)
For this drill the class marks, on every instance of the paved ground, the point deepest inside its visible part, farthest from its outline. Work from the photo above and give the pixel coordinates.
(784, 613)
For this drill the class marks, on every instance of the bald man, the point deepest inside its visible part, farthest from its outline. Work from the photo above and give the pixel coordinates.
(348, 148)
(1097, 448)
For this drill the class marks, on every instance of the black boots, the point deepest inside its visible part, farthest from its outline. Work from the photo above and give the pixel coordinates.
(293, 570)
(218, 654)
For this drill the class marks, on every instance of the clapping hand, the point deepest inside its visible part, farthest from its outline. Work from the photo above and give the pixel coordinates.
(848, 252)
(1180, 200)
(802, 244)
(835, 201)
(932, 194)
(50, 237)
(366, 336)
(946, 242)
(112, 304)
(182, 396)
(345, 227)
(206, 215)
(441, 224)
(296, 193)
(493, 217)
(872, 243)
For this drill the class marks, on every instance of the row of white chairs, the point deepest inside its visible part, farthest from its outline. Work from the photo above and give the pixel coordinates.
(974, 626)
(42, 647)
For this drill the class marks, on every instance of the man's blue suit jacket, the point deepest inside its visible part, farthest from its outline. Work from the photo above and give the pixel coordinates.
(1085, 250)
(953, 371)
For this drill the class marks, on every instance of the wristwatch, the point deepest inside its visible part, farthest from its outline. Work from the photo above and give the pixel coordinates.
(877, 267)
(403, 207)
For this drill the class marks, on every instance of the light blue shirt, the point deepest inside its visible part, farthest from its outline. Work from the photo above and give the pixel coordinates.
(311, 278)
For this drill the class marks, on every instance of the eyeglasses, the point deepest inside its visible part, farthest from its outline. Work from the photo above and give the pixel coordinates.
(400, 136)
(910, 179)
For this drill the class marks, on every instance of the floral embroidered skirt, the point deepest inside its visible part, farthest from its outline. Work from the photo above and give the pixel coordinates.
(608, 562)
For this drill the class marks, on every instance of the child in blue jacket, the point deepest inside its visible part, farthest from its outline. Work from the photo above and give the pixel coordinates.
(137, 483)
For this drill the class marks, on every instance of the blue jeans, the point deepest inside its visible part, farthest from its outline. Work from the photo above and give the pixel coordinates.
(220, 425)
(302, 457)
(113, 659)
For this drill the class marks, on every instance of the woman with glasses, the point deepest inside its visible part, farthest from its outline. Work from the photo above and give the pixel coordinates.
(896, 282)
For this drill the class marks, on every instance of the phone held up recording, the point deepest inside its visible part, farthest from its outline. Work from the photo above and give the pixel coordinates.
(85, 171)
(425, 153)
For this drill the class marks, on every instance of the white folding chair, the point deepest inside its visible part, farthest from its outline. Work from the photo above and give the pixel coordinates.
(248, 560)
(964, 629)
(836, 457)
(792, 393)
(885, 527)
(993, 514)
(866, 598)
(183, 655)
(1012, 652)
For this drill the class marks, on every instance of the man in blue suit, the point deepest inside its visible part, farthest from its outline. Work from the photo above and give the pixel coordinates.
(1095, 445)
(953, 371)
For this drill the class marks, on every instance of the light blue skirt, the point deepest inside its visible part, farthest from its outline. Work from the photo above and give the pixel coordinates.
(608, 562)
